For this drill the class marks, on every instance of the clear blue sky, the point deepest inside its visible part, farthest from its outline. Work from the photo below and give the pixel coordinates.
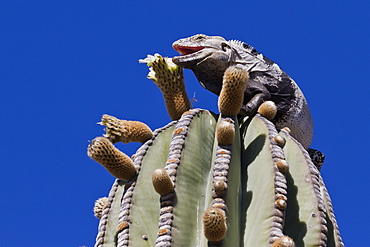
(65, 63)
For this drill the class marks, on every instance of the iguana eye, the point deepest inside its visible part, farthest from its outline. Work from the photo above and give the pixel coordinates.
(224, 46)
(199, 37)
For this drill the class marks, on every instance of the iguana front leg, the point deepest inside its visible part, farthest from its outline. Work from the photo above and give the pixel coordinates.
(252, 106)
(254, 95)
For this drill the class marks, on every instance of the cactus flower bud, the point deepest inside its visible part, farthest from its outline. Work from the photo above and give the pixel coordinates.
(279, 140)
(231, 97)
(125, 131)
(225, 131)
(268, 109)
(117, 163)
(161, 181)
(282, 165)
(214, 224)
(99, 207)
(283, 241)
(170, 79)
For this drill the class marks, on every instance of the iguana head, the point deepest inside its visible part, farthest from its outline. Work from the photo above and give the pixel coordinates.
(200, 48)
(207, 56)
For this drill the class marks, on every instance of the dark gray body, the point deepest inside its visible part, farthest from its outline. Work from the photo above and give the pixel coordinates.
(209, 56)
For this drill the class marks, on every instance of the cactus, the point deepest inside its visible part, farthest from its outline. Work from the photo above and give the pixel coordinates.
(211, 180)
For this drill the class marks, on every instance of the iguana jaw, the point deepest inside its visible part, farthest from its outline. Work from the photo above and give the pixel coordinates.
(186, 50)
(192, 55)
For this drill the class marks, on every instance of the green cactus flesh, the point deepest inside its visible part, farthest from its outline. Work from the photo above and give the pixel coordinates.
(263, 183)
(307, 213)
(253, 194)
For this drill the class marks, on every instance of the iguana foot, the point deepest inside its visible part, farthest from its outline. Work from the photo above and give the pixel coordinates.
(317, 157)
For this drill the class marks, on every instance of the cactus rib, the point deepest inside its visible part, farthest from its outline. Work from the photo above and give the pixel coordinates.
(306, 208)
(222, 161)
(108, 222)
(265, 183)
(334, 237)
(174, 154)
(125, 211)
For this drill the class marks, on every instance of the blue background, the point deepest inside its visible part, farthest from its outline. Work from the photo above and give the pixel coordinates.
(65, 63)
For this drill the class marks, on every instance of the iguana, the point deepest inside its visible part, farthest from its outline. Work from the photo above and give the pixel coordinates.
(209, 56)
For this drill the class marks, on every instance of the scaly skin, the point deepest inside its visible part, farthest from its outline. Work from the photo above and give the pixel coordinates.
(209, 56)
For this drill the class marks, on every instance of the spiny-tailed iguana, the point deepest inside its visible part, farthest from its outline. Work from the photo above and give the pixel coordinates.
(209, 56)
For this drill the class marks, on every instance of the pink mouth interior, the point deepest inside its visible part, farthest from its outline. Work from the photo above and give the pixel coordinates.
(186, 50)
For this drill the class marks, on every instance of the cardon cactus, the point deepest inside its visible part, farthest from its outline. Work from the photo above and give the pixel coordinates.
(210, 180)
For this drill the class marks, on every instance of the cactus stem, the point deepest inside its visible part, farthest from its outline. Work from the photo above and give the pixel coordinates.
(163, 232)
(280, 182)
(173, 161)
(124, 215)
(220, 172)
(105, 219)
(330, 212)
(312, 177)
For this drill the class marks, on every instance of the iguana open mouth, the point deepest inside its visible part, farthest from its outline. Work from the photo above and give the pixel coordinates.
(186, 50)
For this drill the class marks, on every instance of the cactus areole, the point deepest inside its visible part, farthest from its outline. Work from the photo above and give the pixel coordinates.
(209, 179)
